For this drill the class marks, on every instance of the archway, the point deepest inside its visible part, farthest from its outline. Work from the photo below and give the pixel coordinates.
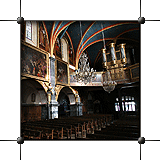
(63, 101)
(69, 93)
(33, 101)
(67, 101)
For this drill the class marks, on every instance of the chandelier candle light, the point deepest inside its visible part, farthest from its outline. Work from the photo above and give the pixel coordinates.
(108, 84)
(84, 74)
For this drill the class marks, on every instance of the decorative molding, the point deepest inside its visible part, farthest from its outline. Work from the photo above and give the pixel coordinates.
(45, 85)
(120, 75)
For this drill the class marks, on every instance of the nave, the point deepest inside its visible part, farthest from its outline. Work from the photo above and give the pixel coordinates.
(80, 80)
(86, 127)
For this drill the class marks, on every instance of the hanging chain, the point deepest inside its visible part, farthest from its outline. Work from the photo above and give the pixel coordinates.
(81, 34)
(103, 36)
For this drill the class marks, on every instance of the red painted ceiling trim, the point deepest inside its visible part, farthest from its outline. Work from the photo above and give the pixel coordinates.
(93, 43)
(53, 37)
(85, 32)
(52, 30)
(115, 38)
(108, 27)
(63, 28)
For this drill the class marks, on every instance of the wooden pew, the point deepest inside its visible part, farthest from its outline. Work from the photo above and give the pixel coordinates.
(57, 133)
(47, 133)
(77, 128)
(71, 127)
(31, 134)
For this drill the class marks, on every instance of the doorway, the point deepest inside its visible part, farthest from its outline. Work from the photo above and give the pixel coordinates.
(64, 108)
(66, 99)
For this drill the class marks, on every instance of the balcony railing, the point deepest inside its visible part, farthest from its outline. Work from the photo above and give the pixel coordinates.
(120, 75)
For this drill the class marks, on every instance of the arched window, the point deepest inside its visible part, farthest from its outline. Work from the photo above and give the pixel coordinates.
(31, 32)
(33, 97)
(128, 104)
(64, 50)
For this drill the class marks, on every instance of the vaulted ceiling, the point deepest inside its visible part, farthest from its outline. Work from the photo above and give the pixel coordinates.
(92, 38)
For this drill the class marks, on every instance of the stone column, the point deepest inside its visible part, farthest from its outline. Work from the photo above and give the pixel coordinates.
(80, 109)
(79, 105)
(76, 109)
(54, 104)
(48, 103)
(73, 110)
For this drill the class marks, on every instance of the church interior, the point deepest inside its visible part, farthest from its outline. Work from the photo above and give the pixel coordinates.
(80, 80)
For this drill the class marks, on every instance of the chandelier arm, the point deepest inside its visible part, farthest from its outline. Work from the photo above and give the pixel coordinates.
(84, 74)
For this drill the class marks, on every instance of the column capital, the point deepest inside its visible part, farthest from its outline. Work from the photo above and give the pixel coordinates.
(52, 59)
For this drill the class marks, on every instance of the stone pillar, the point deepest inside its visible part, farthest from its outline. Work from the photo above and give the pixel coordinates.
(49, 100)
(76, 109)
(73, 110)
(80, 109)
(53, 103)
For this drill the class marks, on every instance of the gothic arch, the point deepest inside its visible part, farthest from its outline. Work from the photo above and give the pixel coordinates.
(30, 87)
(68, 91)
(64, 49)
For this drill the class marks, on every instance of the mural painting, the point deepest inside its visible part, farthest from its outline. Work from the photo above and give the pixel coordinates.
(62, 72)
(43, 41)
(70, 56)
(57, 48)
(33, 62)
